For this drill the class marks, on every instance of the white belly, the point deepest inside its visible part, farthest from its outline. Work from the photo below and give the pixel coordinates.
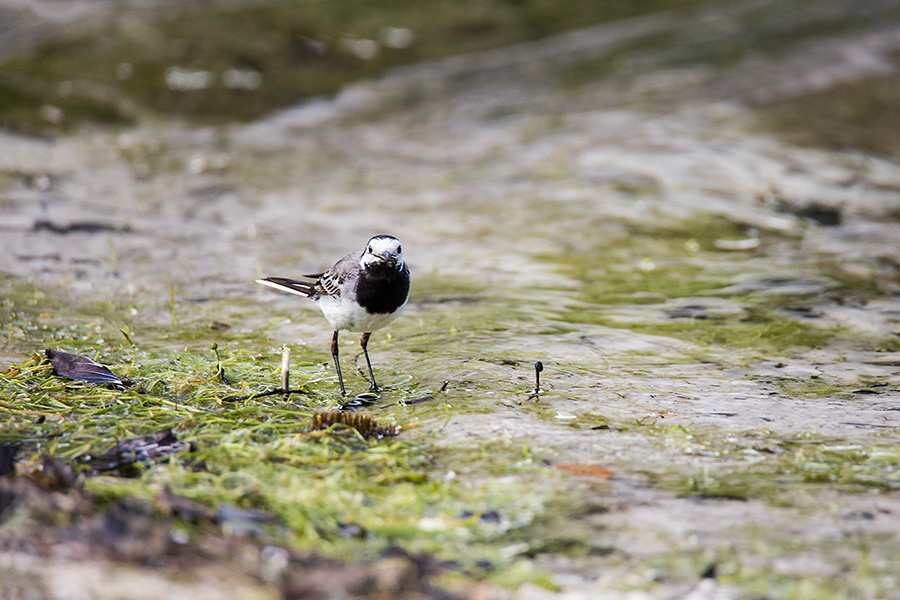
(349, 316)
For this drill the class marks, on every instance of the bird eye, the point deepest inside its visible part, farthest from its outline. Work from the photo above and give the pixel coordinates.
(399, 249)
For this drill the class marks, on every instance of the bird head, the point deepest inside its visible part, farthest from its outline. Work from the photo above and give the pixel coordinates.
(382, 250)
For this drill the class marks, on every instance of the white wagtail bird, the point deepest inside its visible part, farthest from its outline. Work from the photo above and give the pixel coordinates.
(363, 291)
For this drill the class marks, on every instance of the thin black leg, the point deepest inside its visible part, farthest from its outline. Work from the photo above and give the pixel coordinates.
(337, 362)
(364, 341)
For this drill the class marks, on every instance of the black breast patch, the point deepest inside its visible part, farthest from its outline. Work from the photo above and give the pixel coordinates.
(382, 291)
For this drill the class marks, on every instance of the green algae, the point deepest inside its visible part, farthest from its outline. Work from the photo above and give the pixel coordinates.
(262, 454)
(766, 331)
(779, 469)
(815, 387)
(330, 491)
(672, 259)
(672, 280)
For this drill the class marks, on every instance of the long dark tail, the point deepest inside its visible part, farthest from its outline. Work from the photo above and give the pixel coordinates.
(301, 288)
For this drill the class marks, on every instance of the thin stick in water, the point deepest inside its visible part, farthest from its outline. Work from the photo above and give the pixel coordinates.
(286, 368)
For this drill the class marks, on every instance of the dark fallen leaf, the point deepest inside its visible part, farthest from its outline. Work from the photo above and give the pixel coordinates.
(8, 457)
(80, 368)
(138, 450)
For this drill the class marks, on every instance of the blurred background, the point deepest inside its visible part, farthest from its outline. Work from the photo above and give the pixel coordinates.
(70, 62)
(109, 61)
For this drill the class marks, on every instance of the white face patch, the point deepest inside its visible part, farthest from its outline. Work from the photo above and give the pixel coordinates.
(380, 249)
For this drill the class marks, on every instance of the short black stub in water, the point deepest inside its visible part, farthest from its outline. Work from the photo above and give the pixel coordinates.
(538, 368)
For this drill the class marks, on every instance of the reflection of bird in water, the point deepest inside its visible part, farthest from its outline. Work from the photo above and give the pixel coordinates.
(363, 291)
